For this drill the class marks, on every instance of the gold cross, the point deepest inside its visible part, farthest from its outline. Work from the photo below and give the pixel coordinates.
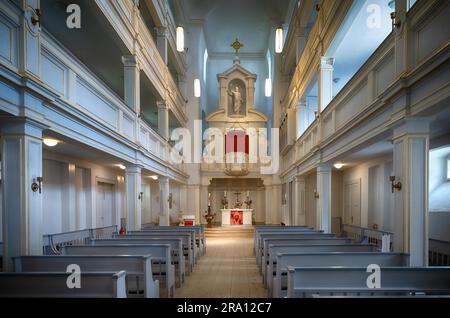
(237, 45)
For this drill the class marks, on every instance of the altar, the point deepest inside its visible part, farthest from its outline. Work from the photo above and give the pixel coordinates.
(237, 216)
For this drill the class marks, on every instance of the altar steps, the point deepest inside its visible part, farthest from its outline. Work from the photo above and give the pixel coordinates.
(230, 231)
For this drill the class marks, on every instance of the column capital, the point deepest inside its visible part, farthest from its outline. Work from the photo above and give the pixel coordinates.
(161, 31)
(163, 179)
(133, 169)
(324, 167)
(326, 62)
(21, 125)
(130, 60)
(162, 104)
(412, 125)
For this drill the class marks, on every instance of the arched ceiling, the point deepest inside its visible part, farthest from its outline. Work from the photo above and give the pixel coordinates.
(249, 20)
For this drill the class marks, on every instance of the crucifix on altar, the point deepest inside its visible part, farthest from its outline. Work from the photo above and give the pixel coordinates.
(237, 215)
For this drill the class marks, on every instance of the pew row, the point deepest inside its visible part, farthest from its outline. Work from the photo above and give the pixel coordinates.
(352, 259)
(161, 258)
(306, 235)
(292, 230)
(52, 285)
(274, 250)
(351, 281)
(189, 248)
(139, 279)
(199, 231)
(293, 240)
(176, 246)
(170, 231)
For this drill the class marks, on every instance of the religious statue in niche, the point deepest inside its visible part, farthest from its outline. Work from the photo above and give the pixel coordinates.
(236, 92)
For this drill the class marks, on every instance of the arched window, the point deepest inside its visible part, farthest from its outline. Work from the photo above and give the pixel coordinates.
(205, 60)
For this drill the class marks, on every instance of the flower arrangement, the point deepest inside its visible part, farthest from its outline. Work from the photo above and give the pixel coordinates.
(209, 216)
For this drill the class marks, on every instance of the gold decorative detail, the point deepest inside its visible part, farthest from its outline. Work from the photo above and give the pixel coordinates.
(395, 185)
(237, 45)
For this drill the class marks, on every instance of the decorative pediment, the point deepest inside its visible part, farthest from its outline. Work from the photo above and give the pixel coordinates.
(253, 116)
(237, 70)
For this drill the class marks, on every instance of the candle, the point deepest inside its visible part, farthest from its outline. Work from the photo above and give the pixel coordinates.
(225, 193)
(248, 193)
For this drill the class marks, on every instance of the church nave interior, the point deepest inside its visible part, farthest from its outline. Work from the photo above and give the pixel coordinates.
(224, 149)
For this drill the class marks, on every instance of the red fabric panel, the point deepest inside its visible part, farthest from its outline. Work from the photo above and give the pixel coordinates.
(237, 141)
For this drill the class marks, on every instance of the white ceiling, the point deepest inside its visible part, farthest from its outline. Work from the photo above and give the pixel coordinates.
(249, 20)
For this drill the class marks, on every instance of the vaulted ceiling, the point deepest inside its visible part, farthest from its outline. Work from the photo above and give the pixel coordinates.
(249, 20)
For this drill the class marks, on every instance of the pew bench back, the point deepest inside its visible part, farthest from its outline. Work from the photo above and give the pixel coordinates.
(93, 285)
(305, 282)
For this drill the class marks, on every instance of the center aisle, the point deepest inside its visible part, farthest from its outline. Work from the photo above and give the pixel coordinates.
(228, 270)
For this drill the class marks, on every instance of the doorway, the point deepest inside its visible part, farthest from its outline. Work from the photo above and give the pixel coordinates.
(105, 204)
(352, 203)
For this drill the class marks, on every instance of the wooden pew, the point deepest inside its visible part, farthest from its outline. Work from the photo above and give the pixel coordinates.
(93, 285)
(189, 248)
(138, 268)
(329, 259)
(311, 235)
(176, 246)
(260, 231)
(305, 282)
(173, 230)
(288, 240)
(159, 252)
(199, 231)
(274, 250)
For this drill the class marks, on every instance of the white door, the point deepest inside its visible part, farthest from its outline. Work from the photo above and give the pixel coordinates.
(105, 204)
(352, 203)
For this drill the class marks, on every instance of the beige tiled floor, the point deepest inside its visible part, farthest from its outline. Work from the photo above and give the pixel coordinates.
(228, 270)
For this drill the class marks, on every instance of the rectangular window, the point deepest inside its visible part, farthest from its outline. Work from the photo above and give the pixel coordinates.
(448, 169)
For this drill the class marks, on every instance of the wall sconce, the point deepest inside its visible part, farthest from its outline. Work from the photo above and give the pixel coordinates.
(395, 185)
(316, 194)
(35, 21)
(140, 195)
(395, 24)
(37, 184)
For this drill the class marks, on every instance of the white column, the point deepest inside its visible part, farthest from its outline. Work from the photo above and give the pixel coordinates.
(183, 199)
(132, 82)
(302, 117)
(324, 201)
(133, 193)
(21, 142)
(299, 196)
(411, 147)
(325, 81)
(163, 119)
(162, 43)
(69, 212)
(164, 218)
(268, 210)
(204, 203)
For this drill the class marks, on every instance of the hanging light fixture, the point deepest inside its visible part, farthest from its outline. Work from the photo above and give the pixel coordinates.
(268, 87)
(50, 142)
(279, 40)
(197, 91)
(180, 39)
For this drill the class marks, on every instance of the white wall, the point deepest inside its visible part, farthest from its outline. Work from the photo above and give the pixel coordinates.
(376, 198)
(59, 205)
(439, 225)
